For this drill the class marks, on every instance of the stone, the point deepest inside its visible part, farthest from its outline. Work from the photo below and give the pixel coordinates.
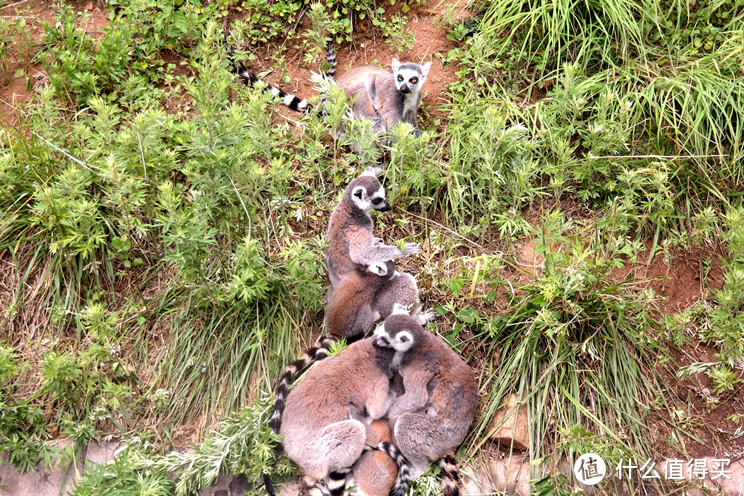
(509, 475)
(510, 425)
(220, 487)
(42, 481)
(102, 452)
(240, 486)
(529, 259)
(291, 489)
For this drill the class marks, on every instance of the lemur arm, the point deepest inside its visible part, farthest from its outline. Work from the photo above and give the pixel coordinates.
(416, 395)
(378, 252)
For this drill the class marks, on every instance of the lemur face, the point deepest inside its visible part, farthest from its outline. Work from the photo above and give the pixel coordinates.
(368, 194)
(398, 331)
(409, 77)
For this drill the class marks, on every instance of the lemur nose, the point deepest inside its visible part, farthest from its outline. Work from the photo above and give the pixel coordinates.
(405, 89)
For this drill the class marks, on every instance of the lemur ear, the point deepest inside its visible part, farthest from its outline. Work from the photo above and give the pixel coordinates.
(371, 171)
(399, 309)
(395, 65)
(378, 268)
(425, 69)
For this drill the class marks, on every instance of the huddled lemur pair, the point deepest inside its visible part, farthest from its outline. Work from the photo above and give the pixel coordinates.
(402, 373)
(389, 404)
(385, 99)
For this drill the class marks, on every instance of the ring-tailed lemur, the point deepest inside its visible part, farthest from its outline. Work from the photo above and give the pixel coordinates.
(350, 229)
(326, 416)
(384, 98)
(388, 99)
(352, 247)
(434, 414)
(362, 297)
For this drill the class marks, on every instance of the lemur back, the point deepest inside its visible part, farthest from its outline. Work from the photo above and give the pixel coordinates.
(375, 471)
(366, 295)
(431, 418)
(326, 416)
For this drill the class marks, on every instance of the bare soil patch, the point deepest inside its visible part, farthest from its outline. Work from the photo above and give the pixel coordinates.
(14, 91)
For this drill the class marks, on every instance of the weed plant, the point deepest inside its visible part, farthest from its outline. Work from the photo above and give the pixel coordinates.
(574, 345)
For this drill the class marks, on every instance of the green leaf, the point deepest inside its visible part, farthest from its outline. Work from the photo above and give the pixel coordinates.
(456, 285)
(20, 73)
(467, 315)
(380, 10)
(179, 22)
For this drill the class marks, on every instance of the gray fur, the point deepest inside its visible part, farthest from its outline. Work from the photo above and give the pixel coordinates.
(350, 239)
(434, 414)
(320, 434)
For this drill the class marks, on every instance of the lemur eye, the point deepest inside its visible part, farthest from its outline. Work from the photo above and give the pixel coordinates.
(358, 194)
(403, 339)
(400, 78)
(414, 80)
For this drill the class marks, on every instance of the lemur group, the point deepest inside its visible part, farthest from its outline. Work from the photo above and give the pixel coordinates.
(375, 415)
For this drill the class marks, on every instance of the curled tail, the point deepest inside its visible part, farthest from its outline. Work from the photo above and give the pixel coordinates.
(403, 479)
(331, 59)
(314, 354)
(450, 478)
(295, 103)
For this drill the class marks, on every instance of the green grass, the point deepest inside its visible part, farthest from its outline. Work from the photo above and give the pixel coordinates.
(161, 228)
(576, 350)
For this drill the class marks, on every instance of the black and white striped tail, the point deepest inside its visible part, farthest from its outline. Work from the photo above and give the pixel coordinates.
(331, 59)
(294, 369)
(337, 478)
(337, 482)
(333, 485)
(291, 101)
(403, 479)
(450, 477)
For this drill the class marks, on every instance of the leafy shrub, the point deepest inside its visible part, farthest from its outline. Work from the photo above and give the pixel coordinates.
(76, 66)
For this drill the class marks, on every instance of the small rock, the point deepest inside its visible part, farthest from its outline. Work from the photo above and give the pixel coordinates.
(510, 475)
(510, 423)
(529, 259)
(89, 6)
(240, 486)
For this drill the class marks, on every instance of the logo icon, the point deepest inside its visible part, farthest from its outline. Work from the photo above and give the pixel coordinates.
(590, 469)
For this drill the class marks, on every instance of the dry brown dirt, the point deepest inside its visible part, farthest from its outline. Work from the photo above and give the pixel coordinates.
(15, 90)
